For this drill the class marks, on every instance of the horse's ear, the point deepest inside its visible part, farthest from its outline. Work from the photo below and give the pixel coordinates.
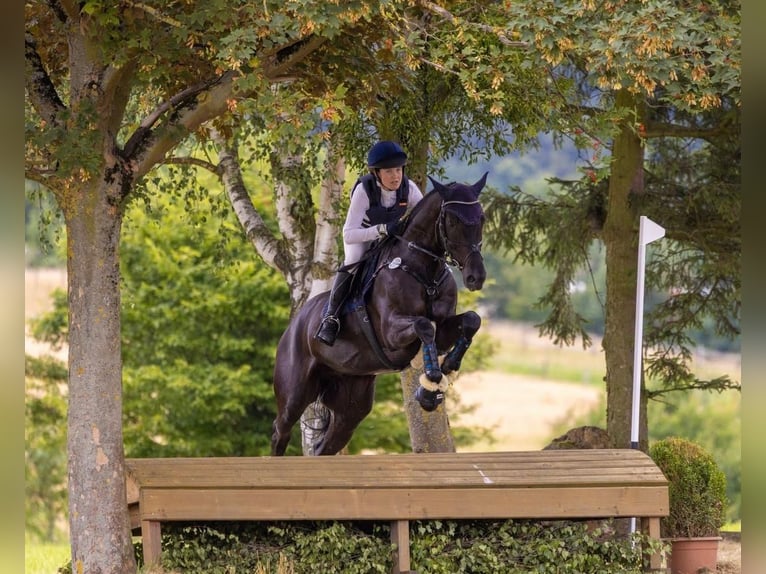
(479, 185)
(441, 188)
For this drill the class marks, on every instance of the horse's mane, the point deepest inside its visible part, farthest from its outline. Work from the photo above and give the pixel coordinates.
(420, 206)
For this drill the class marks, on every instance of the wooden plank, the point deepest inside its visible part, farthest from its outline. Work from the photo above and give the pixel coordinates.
(151, 537)
(470, 479)
(613, 457)
(528, 469)
(401, 504)
(400, 536)
(395, 463)
(651, 527)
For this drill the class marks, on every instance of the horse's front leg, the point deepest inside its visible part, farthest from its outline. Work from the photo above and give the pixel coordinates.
(456, 334)
(430, 393)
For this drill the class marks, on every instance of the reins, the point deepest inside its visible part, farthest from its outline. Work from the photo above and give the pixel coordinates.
(441, 235)
(446, 258)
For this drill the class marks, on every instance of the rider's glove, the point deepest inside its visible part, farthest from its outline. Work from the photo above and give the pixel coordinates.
(391, 228)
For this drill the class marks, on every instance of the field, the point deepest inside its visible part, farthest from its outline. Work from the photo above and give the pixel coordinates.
(531, 387)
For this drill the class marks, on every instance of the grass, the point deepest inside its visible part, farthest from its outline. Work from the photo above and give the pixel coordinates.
(520, 350)
(732, 526)
(45, 558)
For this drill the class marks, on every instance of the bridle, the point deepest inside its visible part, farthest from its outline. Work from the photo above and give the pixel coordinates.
(445, 242)
(441, 232)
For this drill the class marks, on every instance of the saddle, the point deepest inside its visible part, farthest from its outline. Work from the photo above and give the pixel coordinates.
(355, 305)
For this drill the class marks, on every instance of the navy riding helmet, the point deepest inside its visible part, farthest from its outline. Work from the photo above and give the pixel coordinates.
(386, 154)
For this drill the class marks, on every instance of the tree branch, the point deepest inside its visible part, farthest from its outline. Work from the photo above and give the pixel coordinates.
(287, 57)
(719, 384)
(257, 232)
(154, 12)
(452, 19)
(143, 133)
(62, 12)
(661, 129)
(195, 161)
(39, 86)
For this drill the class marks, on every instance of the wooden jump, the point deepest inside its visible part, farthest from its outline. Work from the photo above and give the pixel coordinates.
(551, 484)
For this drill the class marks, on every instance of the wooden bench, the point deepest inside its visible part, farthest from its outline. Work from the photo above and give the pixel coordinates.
(563, 484)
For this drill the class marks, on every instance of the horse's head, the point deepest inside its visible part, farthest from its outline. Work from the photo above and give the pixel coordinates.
(460, 225)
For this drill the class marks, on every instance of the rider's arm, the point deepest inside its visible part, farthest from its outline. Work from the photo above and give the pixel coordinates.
(414, 196)
(354, 230)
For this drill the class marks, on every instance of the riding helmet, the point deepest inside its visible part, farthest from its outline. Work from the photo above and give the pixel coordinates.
(386, 154)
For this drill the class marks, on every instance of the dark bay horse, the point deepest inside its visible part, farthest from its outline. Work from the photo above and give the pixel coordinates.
(410, 305)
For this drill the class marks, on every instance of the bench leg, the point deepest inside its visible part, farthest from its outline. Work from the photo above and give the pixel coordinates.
(651, 527)
(400, 535)
(151, 537)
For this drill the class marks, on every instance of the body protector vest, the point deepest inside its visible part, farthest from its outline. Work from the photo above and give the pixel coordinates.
(377, 213)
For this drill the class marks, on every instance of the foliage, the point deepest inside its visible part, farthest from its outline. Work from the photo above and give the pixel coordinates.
(45, 450)
(622, 86)
(201, 319)
(697, 489)
(44, 558)
(438, 546)
(43, 229)
(712, 421)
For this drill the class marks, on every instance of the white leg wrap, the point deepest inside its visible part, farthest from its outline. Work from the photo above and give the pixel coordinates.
(431, 386)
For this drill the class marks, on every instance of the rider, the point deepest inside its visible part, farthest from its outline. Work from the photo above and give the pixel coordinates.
(388, 194)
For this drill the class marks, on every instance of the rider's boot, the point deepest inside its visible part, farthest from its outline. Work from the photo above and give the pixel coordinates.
(328, 329)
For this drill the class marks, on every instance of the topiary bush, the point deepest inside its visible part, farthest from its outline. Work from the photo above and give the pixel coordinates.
(696, 489)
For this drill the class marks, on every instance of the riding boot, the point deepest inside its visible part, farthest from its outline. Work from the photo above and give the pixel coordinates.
(328, 329)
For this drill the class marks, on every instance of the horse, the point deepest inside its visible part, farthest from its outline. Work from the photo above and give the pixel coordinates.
(406, 303)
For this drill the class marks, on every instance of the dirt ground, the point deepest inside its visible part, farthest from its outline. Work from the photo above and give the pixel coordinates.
(521, 411)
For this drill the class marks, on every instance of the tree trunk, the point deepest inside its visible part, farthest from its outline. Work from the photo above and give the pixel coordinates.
(621, 240)
(429, 431)
(98, 517)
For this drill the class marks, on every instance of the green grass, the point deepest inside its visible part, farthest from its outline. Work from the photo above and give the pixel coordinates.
(732, 526)
(524, 352)
(532, 356)
(40, 558)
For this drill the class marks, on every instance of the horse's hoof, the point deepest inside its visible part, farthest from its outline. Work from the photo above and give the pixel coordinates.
(429, 400)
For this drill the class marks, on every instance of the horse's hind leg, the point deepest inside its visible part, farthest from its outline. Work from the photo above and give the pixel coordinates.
(294, 392)
(350, 399)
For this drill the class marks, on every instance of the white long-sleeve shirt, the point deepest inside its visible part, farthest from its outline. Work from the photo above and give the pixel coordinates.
(357, 235)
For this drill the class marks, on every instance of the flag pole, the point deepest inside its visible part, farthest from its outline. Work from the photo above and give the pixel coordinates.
(648, 231)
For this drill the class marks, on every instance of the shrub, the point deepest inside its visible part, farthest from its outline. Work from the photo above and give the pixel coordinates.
(696, 489)
(437, 546)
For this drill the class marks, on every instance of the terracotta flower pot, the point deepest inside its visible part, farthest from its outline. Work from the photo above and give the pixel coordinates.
(688, 555)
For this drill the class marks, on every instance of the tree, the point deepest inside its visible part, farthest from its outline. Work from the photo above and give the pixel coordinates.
(411, 89)
(110, 90)
(625, 74)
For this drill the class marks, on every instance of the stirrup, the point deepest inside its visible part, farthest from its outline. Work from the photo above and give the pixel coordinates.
(328, 330)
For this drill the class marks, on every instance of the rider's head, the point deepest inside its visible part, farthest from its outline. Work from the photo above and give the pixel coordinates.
(386, 160)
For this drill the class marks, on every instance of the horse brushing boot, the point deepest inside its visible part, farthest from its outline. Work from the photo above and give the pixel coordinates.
(433, 383)
(328, 329)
